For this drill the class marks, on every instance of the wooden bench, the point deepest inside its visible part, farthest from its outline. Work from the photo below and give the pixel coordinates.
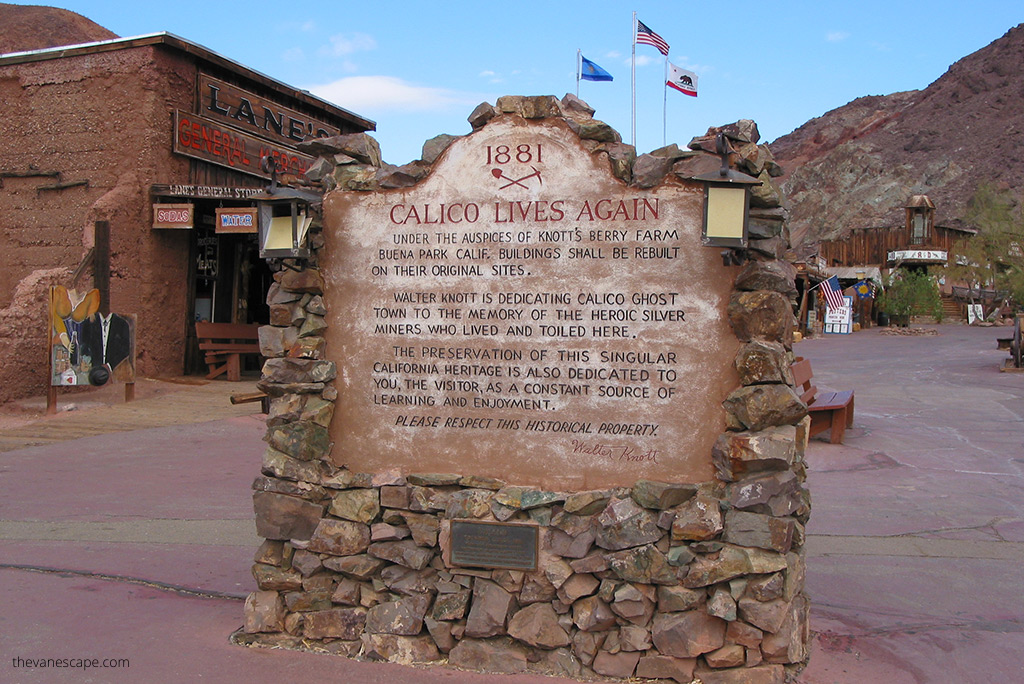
(224, 344)
(828, 410)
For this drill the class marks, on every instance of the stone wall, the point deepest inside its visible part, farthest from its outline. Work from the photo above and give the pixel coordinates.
(660, 580)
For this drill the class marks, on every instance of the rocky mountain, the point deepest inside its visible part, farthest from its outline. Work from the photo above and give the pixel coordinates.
(856, 166)
(33, 27)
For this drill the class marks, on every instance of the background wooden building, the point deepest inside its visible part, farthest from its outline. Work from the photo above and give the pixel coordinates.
(918, 241)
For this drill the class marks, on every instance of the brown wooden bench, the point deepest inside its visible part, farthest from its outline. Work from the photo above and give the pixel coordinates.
(828, 410)
(224, 344)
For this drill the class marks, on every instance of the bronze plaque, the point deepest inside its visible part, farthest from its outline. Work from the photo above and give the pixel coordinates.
(523, 314)
(510, 546)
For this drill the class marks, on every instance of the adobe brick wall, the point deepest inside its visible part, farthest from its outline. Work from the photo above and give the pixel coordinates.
(105, 118)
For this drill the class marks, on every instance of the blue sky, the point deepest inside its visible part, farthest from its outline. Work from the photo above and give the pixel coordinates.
(419, 68)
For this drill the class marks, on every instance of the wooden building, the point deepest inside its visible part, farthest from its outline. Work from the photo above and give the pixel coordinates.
(919, 241)
(120, 156)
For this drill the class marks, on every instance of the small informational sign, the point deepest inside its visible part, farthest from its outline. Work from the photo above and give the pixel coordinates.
(173, 216)
(839, 321)
(237, 220)
(494, 545)
(974, 314)
(936, 255)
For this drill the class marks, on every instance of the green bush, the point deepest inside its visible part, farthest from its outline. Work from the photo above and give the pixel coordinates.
(910, 293)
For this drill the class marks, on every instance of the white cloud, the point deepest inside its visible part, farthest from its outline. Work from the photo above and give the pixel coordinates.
(836, 36)
(614, 54)
(382, 93)
(644, 60)
(346, 44)
(294, 54)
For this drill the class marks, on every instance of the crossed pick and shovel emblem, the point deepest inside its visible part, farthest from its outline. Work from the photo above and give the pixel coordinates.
(498, 173)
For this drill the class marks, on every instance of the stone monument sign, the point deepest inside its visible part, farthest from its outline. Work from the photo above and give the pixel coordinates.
(522, 420)
(523, 313)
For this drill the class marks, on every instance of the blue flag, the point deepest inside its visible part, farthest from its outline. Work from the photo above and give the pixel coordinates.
(864, 289)
(591, 72)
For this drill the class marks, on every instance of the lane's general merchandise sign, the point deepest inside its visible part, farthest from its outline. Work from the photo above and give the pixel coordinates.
(521, 309)
(235, 128)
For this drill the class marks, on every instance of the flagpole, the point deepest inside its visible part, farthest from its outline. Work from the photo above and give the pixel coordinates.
(579, 64)
(633, 84)
(664, 107)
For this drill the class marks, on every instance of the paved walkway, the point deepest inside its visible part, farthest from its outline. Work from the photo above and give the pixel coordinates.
(916, 538)
(158, 403)
(131, 535)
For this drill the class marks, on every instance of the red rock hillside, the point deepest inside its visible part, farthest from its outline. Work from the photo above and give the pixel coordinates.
(856, 166)
(33, 27)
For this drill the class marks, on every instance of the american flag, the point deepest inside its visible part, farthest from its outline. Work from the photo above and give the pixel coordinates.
(833, 293)
(649, 37)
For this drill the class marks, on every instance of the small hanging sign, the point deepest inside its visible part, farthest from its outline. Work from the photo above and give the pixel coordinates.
(237, 220)
(173, 216)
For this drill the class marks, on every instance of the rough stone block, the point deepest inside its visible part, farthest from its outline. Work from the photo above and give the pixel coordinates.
(762, 674)
(271, 578)
(591, 614)
(397, 648)
(646, 564)
(359, 566)
(489, 611)
(493, 655)
(676, 599)
(283, 517)
(340, 537)
(404, 617)
(744, 634)
(302, 440)
(763, 315)
(789, 643)
(336, 623)
(766, 615)
(661, 495)
(264, 612)
(281, 465)
(405, 552)
(730, 655)
(308, 280)
(622, 664)
(737, 454)
(759, 362)
(666, 667)
(698, 519)
(688, 634)
(537, 625)
(451, 606)
(357, 505)
(762, 531)
(758, 407)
